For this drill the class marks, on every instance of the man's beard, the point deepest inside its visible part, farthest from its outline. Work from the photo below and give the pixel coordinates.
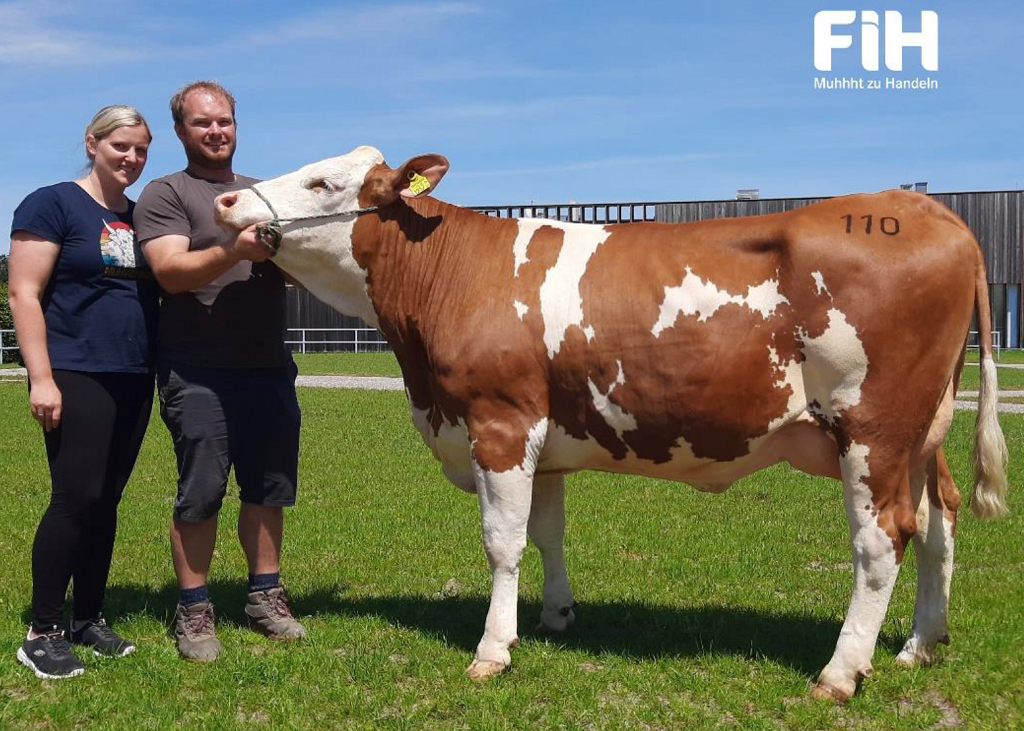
(198, 156)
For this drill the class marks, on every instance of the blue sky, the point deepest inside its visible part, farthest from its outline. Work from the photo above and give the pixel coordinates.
(531, 101)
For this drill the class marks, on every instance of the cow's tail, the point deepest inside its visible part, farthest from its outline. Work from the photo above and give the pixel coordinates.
(990, 456)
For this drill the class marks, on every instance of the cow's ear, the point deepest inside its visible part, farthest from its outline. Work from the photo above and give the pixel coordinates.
(419, 175)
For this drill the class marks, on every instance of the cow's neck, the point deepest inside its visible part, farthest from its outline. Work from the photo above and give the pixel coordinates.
(415, 255)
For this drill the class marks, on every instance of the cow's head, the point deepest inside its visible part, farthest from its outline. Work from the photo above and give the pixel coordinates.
(317, 206)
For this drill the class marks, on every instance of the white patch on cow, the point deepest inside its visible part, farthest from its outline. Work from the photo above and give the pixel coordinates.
(561, 303)
(696, 297)
(563, 452)
(589, 332)
(835, 367)
(521, 308)
(788, 374)
(450, 447)
(613, 414)
(527, 228)
(819, 282)
(764, 298)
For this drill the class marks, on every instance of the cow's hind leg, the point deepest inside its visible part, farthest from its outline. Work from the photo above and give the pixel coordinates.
(505, 498)
(547, 531)
(937, 499)
(878, 534)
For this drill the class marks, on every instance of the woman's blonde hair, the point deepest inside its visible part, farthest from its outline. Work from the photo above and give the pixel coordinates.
(114, 117)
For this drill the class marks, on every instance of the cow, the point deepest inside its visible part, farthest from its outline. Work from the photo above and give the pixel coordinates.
(831, 337)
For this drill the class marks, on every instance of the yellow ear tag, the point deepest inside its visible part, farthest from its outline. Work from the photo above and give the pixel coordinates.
(417, 183)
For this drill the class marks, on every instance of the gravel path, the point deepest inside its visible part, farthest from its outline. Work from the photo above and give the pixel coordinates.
(373, 383)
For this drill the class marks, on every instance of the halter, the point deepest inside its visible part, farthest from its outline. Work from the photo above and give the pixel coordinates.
(270, 233)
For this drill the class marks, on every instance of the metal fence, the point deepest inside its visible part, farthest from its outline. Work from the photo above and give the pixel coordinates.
(576, 212)
(4, 347)
(972, 341)
(333, 340)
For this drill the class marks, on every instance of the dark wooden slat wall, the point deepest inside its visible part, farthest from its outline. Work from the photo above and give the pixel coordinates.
(997, 220)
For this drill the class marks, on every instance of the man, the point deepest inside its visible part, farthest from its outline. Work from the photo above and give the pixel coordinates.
(225, 378)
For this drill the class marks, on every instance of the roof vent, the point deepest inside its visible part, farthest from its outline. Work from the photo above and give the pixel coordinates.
(921, 187)
(748, 194)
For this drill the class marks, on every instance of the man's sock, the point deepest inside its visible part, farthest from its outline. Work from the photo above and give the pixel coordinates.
(194, 596)
(262, 582)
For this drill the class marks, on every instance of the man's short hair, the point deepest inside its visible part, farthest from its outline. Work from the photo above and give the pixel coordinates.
(212, 87)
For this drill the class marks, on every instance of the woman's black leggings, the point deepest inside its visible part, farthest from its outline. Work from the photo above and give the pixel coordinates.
(91, 455)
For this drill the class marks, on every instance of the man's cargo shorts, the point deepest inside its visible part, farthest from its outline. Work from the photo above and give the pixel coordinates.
(224, 417)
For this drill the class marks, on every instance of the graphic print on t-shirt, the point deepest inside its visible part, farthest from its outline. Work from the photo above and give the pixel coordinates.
(122, 256)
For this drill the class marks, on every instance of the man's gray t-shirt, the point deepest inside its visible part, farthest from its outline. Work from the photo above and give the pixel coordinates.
(238, 320)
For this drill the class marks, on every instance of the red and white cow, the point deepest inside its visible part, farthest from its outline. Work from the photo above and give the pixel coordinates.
(831, 337)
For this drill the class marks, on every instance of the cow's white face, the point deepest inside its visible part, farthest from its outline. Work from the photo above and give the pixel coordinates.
(324, 188)
(319, 252)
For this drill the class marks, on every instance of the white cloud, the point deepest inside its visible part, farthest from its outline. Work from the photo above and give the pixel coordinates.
(40, 34)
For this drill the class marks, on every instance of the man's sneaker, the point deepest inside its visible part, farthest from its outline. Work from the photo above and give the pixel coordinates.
(103, 640)
(195, 632)
(268, 613)
(50, 656)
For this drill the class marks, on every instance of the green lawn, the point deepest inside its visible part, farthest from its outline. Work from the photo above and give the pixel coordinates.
(1009, 378)
(1005, 356)
(349, 364)
(696, 611)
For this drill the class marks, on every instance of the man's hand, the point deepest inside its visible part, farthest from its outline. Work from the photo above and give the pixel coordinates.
(246, 245)
(179, 270)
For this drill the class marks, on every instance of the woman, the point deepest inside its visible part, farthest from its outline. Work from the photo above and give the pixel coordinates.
(85, 313)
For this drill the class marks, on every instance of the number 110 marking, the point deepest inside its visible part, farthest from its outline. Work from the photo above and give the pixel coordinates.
(890, 226)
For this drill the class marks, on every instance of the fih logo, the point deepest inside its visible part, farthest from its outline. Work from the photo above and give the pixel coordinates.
(825, 41)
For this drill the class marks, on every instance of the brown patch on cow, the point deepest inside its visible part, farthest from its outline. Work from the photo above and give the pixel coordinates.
(425, 297)
(942, 491)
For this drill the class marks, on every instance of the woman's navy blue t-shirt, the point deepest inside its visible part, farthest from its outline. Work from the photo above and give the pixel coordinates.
(101, 304)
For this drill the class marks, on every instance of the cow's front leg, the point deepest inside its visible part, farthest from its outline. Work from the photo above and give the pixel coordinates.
(876, 564)
(505, 496)
(547, 531)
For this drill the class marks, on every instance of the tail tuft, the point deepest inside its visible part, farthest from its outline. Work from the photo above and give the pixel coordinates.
(990, 456)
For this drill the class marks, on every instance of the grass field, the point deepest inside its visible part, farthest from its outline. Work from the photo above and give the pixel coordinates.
(351, 364)
(696, 611)
(1005, 356)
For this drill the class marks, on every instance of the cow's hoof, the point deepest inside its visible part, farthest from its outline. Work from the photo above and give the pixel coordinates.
(556, 622)
(485, 669)
(916, 653)
(823, 692)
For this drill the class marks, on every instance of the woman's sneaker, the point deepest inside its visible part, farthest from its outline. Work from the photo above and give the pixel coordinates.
(50, 656)
(104, 641)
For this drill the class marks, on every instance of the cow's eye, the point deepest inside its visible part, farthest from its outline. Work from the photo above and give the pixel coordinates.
(322, 186)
